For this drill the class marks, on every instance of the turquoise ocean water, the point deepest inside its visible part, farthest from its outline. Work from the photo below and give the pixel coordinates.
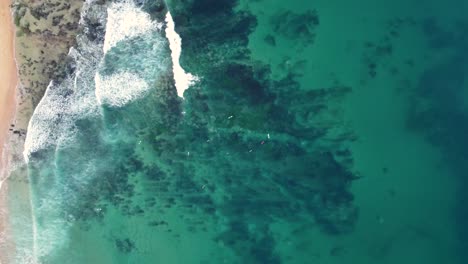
(312, 132)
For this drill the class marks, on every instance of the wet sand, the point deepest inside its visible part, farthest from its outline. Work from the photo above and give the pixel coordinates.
(9, 77)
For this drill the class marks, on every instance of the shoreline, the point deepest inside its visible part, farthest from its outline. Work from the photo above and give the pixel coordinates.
(8, 107)
(8, 72)
(35, 51)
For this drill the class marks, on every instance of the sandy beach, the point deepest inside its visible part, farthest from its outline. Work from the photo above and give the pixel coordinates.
(8, 75)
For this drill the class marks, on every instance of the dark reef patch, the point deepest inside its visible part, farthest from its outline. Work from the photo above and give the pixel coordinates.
(296, 27)
(125, 245)
(270, 40)
(234, 107)
(439, 109)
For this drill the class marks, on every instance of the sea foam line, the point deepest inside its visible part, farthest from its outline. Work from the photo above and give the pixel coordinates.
(182, 79)
(31, 143)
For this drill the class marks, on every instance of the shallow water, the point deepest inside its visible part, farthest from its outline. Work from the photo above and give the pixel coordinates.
(315, 133)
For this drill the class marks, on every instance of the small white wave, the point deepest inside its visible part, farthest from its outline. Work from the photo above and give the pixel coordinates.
(125, 20)
(119, 89)
(182, 79)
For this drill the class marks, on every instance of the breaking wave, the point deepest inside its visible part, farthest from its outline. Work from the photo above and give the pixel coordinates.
(125, 20)
(103, 70)
(105, 73)
(119, 89)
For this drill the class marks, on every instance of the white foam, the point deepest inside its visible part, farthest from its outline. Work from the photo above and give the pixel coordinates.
(119, 89)
(182, 79)
(52, 122)
(34, 139)
(48, 114)
(125, 20)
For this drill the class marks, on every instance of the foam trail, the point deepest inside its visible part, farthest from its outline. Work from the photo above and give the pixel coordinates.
(125, 20)
(182, 79)
(34, 139)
